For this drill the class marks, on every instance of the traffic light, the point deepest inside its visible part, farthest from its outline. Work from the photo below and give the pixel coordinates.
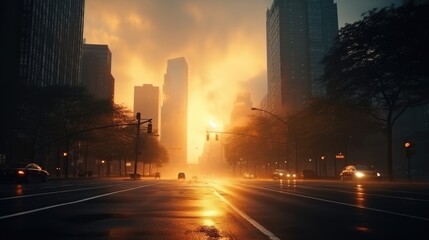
(149, 128)
(409, 148)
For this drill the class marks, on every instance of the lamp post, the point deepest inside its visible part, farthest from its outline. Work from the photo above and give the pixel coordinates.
(281, 120)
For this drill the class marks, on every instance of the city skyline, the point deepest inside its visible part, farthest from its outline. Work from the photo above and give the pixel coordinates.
(224, 43)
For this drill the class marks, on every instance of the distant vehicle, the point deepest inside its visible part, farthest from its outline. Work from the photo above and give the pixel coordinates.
(29, 173)
(283, 174)
(181, 175)
(309, 174)
(359, 172)
(248, 175)
(157, 175)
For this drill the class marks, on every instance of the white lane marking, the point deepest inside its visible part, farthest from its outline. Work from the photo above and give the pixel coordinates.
(265, 231)
(344, 204)
(62, 191)
(72, 202)
(372, 194)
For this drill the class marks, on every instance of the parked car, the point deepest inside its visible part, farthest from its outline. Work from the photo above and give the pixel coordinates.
(283, 174)
(181, 175)
(157, 175)
(28, 173)
(359, 172)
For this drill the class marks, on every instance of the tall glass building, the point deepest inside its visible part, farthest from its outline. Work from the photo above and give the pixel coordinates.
(44, 41)
(41, 44)
(299, 34)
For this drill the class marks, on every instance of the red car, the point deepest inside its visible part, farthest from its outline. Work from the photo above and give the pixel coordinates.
(29, 173)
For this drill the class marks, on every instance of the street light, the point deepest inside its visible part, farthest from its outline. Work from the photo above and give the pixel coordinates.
(285, 123)
(272, 114)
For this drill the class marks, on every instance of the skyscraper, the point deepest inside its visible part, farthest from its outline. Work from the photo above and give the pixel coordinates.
(41, 45)
(146, 102)
(97, 71)
(174, 112)
(299, 34)
(42, 42)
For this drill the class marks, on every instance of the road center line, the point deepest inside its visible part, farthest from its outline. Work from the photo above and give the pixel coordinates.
(72, 202)
(265, 231)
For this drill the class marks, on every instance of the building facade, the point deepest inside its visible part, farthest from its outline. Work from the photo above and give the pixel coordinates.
(97, 71)
(299, 34)
(146, 102)
(174, 112)
(41, 46)
(42, 42)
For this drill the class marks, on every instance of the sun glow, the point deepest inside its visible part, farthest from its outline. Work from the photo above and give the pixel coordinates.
(225, 53)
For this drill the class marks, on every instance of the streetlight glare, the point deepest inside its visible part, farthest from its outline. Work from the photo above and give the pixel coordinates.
(212, 124)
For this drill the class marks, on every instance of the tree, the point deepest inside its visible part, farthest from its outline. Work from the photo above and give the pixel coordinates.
(322, 129)
(380, 64)
(258, 143)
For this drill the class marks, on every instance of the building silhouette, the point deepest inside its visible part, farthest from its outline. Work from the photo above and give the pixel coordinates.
(174, 112)
(146, 101)
(299, 33)
(42, 42)
(97, 71)
(41, 46)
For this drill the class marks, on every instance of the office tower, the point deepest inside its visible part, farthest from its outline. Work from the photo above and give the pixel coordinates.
(174, 112)
(146, 102)
(97, 71)
(42, 42)
(299, 34)
(41, 45)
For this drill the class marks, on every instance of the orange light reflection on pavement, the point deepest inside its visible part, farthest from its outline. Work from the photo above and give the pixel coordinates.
(18, 190)
(360, 196)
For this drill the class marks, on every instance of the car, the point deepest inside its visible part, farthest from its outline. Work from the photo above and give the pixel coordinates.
(359, 172)
(248, 175)
(283, 174)
(28, 173)
(157, 175)
(181, 175)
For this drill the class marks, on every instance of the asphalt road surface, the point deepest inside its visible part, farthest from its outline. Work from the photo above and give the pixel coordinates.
(213, 209)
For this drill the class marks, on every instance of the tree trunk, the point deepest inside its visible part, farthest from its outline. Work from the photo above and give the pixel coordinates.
(389, 150)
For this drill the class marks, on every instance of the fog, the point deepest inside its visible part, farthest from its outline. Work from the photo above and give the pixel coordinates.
(223, 42)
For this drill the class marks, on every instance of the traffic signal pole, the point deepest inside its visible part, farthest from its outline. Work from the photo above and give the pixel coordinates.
(136, 154)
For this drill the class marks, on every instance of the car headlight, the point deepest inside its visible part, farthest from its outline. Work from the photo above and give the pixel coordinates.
(294, 175)
(378, 174)
(20, 172)
(359, 174)
(281, 174)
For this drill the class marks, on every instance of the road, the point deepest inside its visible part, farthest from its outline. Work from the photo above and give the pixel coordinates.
(213, 209)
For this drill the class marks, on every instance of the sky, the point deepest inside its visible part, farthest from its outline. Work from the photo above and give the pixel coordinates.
(223, 42)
